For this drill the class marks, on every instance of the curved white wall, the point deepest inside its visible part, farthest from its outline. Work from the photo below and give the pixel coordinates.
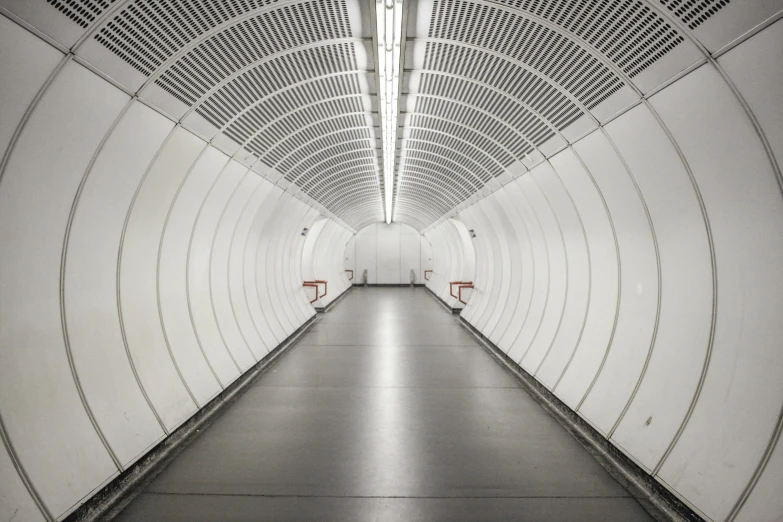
(636, 275)
(322, 259)
(143, 272)
(453, 259)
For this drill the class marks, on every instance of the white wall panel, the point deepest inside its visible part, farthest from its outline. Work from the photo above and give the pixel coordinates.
(522, 271)
(237, 271)
(484, 267)
(448, 260)
(591, 214)
(43, 413)
(496, 300)
(285, 214)
(441, 260)
(742, 386)
(493, 264)
(291, 266)
(513, 266)
(410, 255)
(329, 259)
(322, 262)
(453, 258)
(634, 329)
(297, 250)
(558, 217)
(26, 62)
(366, 254)
(350, 258)
(277, 277)
(339, 244)
(388, 255)
(426, 256)
(317, 260)
(218, 278)
(583, 340)
(15, 500)
(227, 360)
(90, 283)
(256, 247)
(765, 501)
(195, 360)
(680, 349)
(463, 244)
(553, 278)
(147, 344)
(532, 309)
(388, 252)
(264, 262)
(314, 237)
(577, 284)
(756, 69)
(732, 20)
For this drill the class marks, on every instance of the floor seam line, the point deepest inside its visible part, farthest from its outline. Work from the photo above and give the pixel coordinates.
(433, 497)
(394, 387)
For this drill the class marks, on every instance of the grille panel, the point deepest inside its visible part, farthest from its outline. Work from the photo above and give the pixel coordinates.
(81, 12)
(499, 80)
(628, 32)
(254, 39)
(694, 12)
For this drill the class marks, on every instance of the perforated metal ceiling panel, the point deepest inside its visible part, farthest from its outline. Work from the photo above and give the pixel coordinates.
(490, 87)
(495, 86)
(287, 85)
(82, 12)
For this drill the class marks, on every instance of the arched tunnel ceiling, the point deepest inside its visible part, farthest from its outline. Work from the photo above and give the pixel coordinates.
(490, 88)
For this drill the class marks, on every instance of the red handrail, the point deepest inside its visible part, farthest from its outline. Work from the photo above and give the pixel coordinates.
(316, 283)
(316, 291)
(462, 284)
(425, 275)
(350, 278)
(469, 285)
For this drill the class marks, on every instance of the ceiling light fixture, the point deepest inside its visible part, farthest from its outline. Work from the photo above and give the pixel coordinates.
(389, 34)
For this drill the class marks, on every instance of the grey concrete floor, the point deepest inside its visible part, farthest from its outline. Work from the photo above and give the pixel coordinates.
(385, 410)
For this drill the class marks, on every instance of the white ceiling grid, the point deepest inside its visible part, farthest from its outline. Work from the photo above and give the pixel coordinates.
(490, 88)
(484, 106)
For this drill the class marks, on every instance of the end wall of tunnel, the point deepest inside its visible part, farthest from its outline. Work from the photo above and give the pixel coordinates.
(631, 263)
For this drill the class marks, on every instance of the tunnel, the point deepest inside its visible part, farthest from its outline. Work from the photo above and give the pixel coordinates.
(391, 260)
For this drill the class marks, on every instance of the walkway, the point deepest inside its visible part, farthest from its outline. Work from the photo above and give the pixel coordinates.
(385, 410)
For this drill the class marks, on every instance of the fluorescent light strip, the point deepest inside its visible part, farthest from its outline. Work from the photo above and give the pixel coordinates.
(389, 32)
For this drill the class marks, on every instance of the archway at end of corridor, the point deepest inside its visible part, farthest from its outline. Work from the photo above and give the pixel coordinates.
(397, 254)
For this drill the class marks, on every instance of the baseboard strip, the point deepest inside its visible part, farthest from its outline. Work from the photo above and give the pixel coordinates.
(324, 309)
(443, 303)
(389, 285)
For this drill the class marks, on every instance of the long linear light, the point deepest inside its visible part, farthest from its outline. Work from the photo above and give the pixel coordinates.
(389, 33)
